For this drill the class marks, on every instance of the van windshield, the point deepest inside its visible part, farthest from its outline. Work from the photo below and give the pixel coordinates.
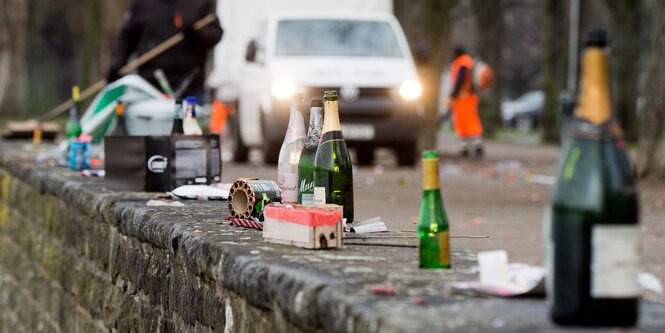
(336, 38)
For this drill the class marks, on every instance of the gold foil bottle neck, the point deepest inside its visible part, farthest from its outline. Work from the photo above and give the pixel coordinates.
(594, 105)
(430, 173)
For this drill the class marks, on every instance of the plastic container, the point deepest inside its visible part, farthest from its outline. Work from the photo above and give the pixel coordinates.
(150, 117)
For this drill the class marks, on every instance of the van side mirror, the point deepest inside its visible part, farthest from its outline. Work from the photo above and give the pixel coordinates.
(250, 56)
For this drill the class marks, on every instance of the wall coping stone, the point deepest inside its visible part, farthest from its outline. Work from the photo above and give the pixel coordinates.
(314, 290)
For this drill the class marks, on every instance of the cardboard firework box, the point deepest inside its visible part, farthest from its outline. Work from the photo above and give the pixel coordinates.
(311, 227)
(161, 163)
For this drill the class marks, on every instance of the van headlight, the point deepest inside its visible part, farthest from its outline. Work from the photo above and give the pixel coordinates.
(410, 89)
(283, 88)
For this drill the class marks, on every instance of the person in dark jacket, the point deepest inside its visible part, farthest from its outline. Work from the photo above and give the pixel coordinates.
(150, 22)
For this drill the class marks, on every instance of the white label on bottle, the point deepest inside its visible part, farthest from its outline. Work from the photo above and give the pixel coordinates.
(615, 260)
(307, 199)
(319, 195)
(288, 183)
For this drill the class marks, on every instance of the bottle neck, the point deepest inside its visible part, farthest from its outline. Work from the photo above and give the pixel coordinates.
(430, 174)
(594, 103)
(315, 124)
(191, 112)
(331, 117)
(296, 129)
(178, 111)
(73, 113)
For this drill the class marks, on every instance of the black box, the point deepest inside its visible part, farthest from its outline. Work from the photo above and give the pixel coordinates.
(161, 163)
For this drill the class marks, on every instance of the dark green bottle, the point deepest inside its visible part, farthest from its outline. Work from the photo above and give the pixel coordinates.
(433, 245)
(73, 126)
(594, 236)
(308, 154)
(120, 128)
(333, 174)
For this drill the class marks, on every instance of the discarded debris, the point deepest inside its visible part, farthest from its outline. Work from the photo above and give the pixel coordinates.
(499, 278)
(370, 225)
(201, 192)
(386, 289)
(305, 226)
(156, 203)
(648, 281)
(248, 197)
(540, 179)
(252, 223)
(93, 173)
(418, 301)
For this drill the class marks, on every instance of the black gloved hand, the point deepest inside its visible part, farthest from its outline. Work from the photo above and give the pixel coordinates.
(113, 74)
(189, 32)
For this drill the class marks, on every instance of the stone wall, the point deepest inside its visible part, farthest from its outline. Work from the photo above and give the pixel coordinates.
(75, 257)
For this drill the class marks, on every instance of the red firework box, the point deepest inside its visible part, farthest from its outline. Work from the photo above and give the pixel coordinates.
(307, 226)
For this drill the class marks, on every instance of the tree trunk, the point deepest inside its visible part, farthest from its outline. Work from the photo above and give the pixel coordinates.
(554, 67)
(626, 16)
(652, 146)
(489, 20)
(428, 22)
(13, 15)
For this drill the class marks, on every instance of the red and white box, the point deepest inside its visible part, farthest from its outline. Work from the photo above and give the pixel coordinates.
(311, 227)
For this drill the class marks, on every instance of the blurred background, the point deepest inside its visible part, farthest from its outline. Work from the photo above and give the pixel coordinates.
(532, 45)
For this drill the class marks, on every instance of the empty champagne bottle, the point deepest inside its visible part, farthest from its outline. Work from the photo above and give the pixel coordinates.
(594, 238)
(289, 154)
(73, 126)
(120, 128)
(190, 125)
(433, 245)
(177, 129)
(333, 174)
(306, 165)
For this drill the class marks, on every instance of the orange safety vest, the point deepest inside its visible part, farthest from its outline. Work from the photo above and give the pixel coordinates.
(465, 106)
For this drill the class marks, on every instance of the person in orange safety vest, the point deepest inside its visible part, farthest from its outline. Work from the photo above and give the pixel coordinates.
(464, 102)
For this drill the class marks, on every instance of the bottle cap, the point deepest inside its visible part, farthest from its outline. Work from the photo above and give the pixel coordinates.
(75, 93)
(119, 109)
(315, 102)
(330, 93)
(596, 38)
(430, 154)
(190, 100)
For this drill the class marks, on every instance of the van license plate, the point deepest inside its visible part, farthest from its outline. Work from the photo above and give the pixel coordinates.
(358, 132)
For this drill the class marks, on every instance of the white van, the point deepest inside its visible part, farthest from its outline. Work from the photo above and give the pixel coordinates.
(362, 54)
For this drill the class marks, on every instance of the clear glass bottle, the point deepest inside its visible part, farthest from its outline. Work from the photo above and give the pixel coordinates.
(289, 154)
(190, 124)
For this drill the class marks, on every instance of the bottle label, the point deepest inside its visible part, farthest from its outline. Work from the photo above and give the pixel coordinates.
(444, 248)
(331, 136)
(430, 173)
(288, 182)
(307, 199)
(319, 195)
(615, 260)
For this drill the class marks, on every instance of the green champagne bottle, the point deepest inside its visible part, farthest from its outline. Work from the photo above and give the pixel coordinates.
(306, 164)
(594, 236)
(433, 245)
(333, 174)
(73, 126)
